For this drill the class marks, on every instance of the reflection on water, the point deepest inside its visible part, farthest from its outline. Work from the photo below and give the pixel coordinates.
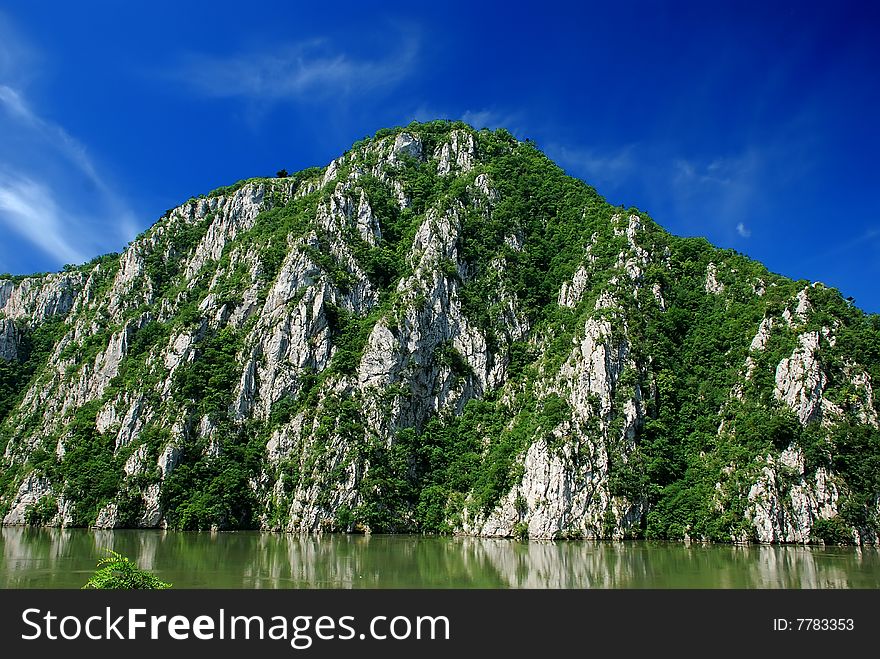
(65, 558)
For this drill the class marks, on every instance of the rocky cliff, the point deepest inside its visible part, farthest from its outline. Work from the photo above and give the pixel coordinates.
(437, 332)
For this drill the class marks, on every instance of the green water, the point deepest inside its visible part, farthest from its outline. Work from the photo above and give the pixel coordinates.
(65, 558)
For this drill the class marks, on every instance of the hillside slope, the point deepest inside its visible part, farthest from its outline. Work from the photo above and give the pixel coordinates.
(438, 332)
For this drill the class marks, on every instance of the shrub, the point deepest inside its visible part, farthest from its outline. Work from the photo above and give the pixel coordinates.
(42, 512)
(833, 531)
(116, 572)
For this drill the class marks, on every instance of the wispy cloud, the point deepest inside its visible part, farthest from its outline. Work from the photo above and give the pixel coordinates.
(45, 146)
(727, 172)
(609, 168)
(29, 209)
(14, 104)
(482, 118)
(865, 243)
(300, 72)
(52, 194)
(715, 196)
(53, 134)
(723, 191)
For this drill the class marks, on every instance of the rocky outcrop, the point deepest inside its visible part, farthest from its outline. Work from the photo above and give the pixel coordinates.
(785, 501)
(713, 286)
(9, 338)
(30, 492)
(39, 298)
(458, 154)
(29, 302)
(800, 379)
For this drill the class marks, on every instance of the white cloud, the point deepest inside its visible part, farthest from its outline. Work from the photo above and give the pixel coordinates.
(296, 72)
(869, 239)
(719, 192)
(483, 118)
(45, 147)
(14, 104)
(595, 167)
(51, 193)
(731, 172)
(19, 110)
(714, 196)
(29, 209)
(491, 119)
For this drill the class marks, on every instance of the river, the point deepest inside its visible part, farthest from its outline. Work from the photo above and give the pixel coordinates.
(65, 558)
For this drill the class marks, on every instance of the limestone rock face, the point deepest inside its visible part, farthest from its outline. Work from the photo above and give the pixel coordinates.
(39, 298)
(9, 338)
(419, 337)
(712, 283)
(457, 154)
(783, 512)
(406, 144)
(800, 379)
(31, 301)
(29, 493)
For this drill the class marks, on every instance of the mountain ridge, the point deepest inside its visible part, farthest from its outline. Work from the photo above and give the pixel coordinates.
(438, 332)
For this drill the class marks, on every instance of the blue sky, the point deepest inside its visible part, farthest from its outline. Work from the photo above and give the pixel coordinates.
(753, 124)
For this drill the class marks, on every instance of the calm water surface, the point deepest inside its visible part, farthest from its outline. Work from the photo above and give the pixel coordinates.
(65, 558)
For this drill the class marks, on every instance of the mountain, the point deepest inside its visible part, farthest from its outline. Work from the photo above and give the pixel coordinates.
(438, 332)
